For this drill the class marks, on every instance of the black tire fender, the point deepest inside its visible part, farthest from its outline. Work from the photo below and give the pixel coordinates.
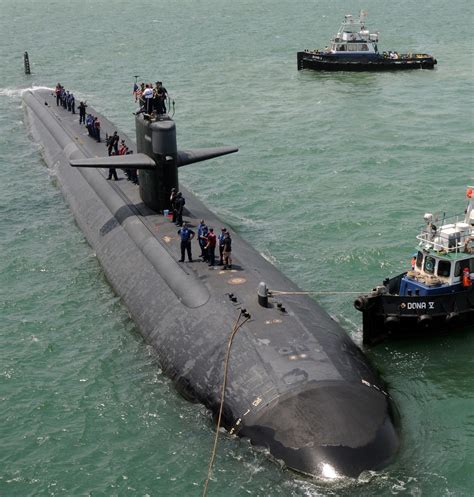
(425, 320)
(360, 303)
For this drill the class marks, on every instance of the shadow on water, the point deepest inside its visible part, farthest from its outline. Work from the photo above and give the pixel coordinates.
(365, 80)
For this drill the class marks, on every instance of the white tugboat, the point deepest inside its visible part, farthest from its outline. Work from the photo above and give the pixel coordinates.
(437, 294)
(354, 48)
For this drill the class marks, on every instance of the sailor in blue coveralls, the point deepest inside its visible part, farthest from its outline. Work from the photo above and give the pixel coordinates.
(186, 235)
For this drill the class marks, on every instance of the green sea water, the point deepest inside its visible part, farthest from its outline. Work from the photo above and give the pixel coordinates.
(333, 176)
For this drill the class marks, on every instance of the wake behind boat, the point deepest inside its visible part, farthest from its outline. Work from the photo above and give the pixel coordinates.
(437, 294)
(354, 48)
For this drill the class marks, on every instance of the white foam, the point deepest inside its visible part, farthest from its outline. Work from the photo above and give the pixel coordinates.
(18, 92)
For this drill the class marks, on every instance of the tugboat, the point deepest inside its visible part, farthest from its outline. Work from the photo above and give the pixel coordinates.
(437, 294)
(354, 48)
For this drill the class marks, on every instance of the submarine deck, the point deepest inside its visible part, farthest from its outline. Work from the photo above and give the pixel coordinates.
(244, 275)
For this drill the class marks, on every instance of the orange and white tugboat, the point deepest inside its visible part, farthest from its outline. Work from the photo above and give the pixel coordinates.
(437, 294)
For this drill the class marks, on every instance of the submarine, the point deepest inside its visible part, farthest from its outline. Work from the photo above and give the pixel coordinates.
(297, 385)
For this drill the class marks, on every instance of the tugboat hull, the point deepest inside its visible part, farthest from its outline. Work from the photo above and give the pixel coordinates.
(392, 316)
(322, 62)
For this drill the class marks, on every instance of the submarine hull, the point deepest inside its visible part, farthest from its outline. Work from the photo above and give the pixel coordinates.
(296, 385)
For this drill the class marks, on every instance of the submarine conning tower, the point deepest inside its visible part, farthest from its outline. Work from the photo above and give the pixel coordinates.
(156, 138)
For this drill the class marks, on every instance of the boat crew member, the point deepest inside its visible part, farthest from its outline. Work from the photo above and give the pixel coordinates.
(202, 238)
(227, 251)
(148, 96)
(57, 91)
(97, 128)
(82, 113)
(173, 203)
(210, 247)
(221, 246)
(186, 236)
(162, 95)
(466, 277)
(179, 203)
(108, 144)
(73, 103)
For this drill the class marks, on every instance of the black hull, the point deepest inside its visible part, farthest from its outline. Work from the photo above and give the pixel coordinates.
(321, 62)
(387, 316)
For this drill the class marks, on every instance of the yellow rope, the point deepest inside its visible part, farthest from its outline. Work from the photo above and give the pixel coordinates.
(235, 328)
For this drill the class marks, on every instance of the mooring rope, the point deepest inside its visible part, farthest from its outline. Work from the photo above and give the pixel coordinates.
(237, 325)
(278, 292)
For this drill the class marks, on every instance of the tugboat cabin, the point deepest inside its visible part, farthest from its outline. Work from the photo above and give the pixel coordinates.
(445, 261)
(354, 40)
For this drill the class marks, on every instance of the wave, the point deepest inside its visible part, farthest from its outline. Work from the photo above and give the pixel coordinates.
(18, 92)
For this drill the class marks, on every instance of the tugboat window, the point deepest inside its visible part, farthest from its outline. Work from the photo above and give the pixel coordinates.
(429, 265)
(419, 260)
(444, 268)
(461, 265)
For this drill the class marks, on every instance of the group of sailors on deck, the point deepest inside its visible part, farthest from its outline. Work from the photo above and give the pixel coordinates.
(65, 98)
(151, 98)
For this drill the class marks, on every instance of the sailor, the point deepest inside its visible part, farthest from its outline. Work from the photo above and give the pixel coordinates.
(173, 203)
(82, 113)
(68, 101)
(202, 239)
(112, 170)
(135, 90)
(89, 125)
(466, 278)
(97, 128)
(211, 247)
(162, 95)
(227, 251)
(57, 91)
(186, 236)
(113, 174)
(221, 246)
(73, 103)
(109, 144)
(179, 203)
(133, 171)
(115, 142)
(148, 96)
(123, 148)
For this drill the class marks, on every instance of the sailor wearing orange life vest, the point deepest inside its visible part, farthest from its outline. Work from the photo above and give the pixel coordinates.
(466, 278)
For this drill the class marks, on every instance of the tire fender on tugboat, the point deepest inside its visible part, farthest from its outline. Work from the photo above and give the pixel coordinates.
(451, 317)
(425, 320)
(392, 322)
(360, 303)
